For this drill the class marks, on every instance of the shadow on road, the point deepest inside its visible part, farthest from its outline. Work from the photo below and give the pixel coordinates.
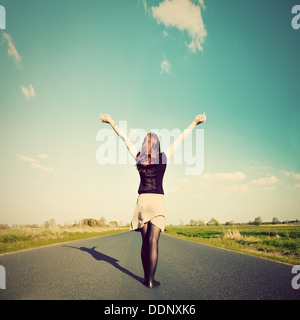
(103, 257)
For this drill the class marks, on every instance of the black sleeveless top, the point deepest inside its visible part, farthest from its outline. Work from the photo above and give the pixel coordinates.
(152, 177)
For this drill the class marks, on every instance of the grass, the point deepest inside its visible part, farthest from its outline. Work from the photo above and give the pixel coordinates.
(12, 240)
(276, 242)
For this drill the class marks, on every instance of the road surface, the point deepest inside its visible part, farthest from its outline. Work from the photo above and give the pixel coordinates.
(109, 268)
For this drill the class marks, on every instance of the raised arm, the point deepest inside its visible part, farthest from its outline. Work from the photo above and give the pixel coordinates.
(173, 147)
(130, 146)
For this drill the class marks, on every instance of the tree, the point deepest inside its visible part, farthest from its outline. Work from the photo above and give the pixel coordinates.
(49, 224)
(193, 222)
(200, 223)
(102, 222)
(213, 222)
(258, 221)
(89, 222)
(275, 220)
(113, 224)
(52, 223)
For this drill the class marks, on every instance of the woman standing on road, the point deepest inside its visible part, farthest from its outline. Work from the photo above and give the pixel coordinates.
(150, 212)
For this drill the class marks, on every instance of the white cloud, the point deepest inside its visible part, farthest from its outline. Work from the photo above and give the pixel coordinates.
(259, 167)
(202, 3)
(12, 51)
(184, 15)
(165, 67)
(145, 5)
(224, 183)
(265, 181)
(286, 173)
(223, 176)
(291, 174)
(296, 176)
(28, 92)
(43, 156)
(165, 34)
(38, 166)
(235, 188)
(26, 159)
(34, 163)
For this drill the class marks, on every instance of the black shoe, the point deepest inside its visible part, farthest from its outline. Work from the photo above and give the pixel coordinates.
(151, 284)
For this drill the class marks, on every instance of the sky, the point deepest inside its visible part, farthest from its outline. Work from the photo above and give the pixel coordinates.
(154, 64)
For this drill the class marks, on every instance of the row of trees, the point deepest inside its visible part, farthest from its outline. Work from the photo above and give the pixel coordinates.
(211, 222)
(257, 221)
(90, 222)
(98, 223)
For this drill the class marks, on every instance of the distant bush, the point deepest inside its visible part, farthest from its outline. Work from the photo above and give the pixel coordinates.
(213, 222)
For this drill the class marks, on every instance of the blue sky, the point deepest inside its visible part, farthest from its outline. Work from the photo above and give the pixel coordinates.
(155, 64)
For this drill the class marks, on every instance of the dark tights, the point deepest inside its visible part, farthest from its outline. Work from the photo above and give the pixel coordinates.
(149, 253)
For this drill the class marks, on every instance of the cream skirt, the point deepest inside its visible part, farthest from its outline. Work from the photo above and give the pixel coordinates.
(150, 207)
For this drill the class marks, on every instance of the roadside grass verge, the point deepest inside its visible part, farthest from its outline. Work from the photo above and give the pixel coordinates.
(12, 240)
(275, 242)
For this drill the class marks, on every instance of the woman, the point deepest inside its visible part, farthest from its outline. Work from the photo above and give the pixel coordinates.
(150, 212)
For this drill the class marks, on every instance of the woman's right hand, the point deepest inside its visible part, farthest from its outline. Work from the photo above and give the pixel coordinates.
(200, 118)
(105, 118)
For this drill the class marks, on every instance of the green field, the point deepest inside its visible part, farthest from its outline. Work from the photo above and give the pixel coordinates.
(24, 238)
(276, 242)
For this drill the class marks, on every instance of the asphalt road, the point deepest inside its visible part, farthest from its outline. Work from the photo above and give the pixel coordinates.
(109, 268)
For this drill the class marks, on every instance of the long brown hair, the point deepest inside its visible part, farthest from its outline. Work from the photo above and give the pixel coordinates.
(149, 153)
